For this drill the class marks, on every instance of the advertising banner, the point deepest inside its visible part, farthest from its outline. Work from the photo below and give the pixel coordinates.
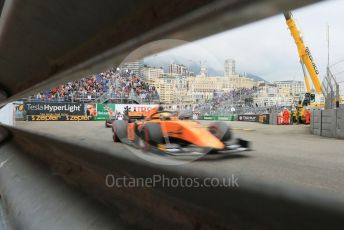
(218, 118)
(105, 111)
(44, 108)
(42, 111)
(122, 109)
(209, 118)
(57, 117)
(100, 112)
(248, 118)
(225, 118)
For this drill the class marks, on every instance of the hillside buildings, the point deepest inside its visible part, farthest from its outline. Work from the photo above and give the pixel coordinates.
(179, 86)
(279, 93)
(177, 69)
(150, 73)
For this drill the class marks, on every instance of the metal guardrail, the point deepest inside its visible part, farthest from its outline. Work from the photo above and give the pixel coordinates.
(3, 217)
(255, 204)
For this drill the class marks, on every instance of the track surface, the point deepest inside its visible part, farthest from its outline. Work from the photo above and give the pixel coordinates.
(287, 155)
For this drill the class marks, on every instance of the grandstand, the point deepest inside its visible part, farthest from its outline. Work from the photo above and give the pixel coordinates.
(121, 86)
(114, 85)
(237, 101)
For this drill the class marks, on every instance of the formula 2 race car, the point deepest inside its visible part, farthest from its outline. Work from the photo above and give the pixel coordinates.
(109, 121)
(166, 132)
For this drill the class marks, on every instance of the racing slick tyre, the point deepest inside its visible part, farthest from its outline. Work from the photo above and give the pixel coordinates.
(119, 129)
(221, 130)
(107, 125)
(151, 136)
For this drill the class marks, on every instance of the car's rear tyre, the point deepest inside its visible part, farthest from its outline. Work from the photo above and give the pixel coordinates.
(119, 129)
(221, 130)
(151, 136)
(106, 124)
(115, 137)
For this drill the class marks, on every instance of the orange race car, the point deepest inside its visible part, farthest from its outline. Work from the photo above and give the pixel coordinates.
(164, 131)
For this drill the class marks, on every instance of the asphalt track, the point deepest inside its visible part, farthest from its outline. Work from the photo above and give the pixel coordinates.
(287, 155)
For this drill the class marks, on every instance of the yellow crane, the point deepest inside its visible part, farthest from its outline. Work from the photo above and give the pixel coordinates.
(307, 62)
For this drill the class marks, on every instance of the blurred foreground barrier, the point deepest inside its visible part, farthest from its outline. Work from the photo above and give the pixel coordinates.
(92, 201)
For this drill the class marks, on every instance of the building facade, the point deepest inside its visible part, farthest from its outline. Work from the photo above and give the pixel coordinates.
(230, 67)
(202, 88)
(291, 88)
(150, 73)
(279, 93)
(165, 87)
(203, 71)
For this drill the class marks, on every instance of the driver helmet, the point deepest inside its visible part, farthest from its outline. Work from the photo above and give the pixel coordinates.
(165, 115)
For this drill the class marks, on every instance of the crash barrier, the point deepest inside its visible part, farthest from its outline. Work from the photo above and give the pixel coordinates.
(55, 111)
(261, 118)
(328, 123)
(87, 167)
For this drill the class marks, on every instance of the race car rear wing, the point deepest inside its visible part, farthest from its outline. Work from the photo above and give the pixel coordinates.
(137, 115)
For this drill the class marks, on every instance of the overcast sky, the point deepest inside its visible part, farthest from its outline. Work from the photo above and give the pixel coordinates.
(266, 48)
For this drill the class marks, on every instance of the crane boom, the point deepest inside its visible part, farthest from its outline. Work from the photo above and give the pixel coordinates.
(308, 86)
(306, 58)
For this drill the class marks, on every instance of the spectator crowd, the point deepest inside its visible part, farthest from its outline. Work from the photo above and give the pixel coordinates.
(223, 103)
(114, 83)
